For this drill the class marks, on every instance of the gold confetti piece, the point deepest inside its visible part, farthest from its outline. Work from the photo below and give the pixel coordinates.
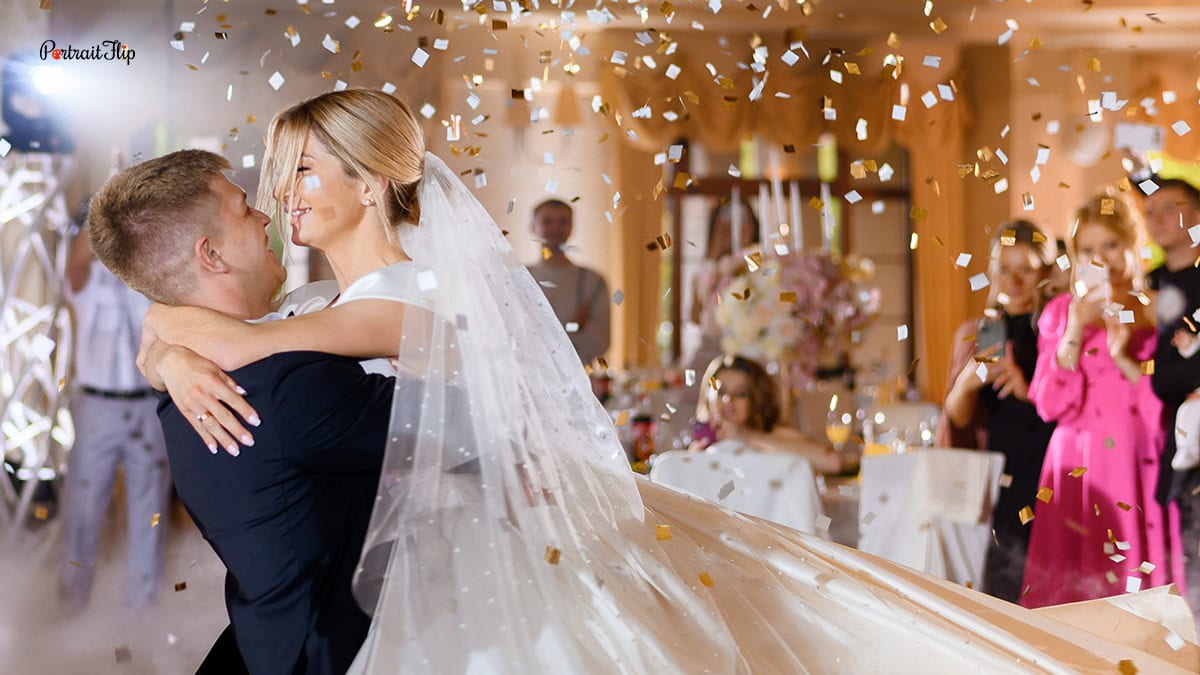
(663, 240)
(1147, 367)
(938, 26)
(552, 555)
(1026, 515)
(1123, 506)
(682, 180)
(622, 418)
(41, 513)
(775, 484)
(1077, 471)
(1094, 64)
(497, 24)
(76, 563)
(271, 12)
(221, 35)
(788, 296)
(918, 213)
(706, 580)
(124, 654)
(1034, 42)
(893, 41)
(44, 4)
(1044, 494)
(662, 532)
(1008, 238)
(181, 586)
(852, 68)
(154, 519)
(191, 67)
(62, 384)
(789, 149)
(754, 261)
(817, 203)
(1126, 667)
(667, 9)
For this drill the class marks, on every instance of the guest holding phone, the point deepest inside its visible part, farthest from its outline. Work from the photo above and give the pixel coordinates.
(1097, 529)
(987, 405)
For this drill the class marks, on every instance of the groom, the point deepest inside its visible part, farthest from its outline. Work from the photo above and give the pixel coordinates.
(287, 518)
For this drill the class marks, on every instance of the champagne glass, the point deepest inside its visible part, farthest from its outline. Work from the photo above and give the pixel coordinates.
(838, 428)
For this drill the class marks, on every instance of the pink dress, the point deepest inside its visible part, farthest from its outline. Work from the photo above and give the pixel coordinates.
(1098, 528)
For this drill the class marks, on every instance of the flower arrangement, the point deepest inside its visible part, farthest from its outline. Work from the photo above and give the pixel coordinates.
(800, 308)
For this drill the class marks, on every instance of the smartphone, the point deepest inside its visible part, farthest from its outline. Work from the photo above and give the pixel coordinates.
(991, 332)
(1094, 276)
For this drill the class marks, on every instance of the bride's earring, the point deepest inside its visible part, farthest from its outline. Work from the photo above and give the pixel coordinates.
(368, 202)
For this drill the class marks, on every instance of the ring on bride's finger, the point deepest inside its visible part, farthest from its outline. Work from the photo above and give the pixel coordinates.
(203, 416)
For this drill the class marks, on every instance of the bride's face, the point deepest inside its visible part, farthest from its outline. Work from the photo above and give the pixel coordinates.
(325, 203)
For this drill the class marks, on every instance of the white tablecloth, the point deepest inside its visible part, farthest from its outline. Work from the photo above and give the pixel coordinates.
(931, 510)
(779, 487)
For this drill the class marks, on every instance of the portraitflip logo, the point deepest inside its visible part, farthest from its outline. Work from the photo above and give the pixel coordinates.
(109, 50)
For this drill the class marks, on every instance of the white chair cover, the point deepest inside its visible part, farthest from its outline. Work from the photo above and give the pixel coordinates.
(931, 510)
(776, 486)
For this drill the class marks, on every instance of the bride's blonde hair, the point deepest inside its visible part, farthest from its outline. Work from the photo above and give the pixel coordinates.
(373, 135)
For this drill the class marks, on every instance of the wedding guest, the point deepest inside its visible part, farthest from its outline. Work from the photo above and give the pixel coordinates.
(1096, 521)
(739, 405)
(987, 405)
(116, 426)
(719, 256)
(1170, 211)
(578, 295)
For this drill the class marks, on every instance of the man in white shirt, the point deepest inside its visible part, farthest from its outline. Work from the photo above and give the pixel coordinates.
(116, 424)
(578, 295)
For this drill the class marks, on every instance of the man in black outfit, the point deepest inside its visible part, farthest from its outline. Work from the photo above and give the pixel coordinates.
(289, 516)
(1170, 212)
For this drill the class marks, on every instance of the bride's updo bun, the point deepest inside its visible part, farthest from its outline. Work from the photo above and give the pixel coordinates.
(374, 135)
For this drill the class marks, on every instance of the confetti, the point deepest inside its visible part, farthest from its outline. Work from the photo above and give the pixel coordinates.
(124, 654)
(1006, 480)
(276, 81)
(901, 332)
(963, 260)
(1077, 472)
(1026, 515)
(1133, 584)
(1181, 128)
(420, 57)
(1174, 641)
(1044, 494)
(706, 580)
(552, 555)
(181, 586)
(662, 532)
(725, 491)
(979, 282)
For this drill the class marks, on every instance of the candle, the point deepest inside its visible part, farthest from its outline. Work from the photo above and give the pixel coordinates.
(735, 219)
(796, 224)
(826, 218)
(764, 216)
(776, 190)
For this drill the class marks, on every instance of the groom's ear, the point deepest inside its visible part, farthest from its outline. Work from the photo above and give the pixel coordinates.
(209, 257)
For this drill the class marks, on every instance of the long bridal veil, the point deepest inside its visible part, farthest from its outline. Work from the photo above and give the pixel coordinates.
(510, 536)
(499, 532)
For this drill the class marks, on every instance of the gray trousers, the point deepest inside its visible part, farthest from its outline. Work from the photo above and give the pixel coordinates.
(108, 433)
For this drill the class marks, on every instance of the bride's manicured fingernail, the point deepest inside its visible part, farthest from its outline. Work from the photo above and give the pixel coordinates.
(254, 420)
(233, 449)
(212, 447)
(247, 441)
(239, 390)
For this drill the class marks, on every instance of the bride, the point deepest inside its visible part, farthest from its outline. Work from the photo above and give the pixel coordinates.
(514, 537)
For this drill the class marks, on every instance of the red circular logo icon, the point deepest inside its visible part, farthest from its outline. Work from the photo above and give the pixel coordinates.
(57, 54)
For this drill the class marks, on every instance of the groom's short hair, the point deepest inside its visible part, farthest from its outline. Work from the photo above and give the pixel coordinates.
(144, 220)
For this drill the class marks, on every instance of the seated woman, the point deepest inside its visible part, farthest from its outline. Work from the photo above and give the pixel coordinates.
(739, 407)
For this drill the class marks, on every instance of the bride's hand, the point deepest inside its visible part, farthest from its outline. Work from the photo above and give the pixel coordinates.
(205, 396)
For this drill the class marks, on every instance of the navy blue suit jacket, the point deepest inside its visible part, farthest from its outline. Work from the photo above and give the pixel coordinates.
(289, 515)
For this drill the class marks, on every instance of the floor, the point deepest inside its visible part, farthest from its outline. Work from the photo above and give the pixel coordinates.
(108, 638)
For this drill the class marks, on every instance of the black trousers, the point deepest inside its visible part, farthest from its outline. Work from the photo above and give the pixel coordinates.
(224, 658)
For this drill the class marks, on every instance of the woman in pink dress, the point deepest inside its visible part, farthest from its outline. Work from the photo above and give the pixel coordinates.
(1097, 530)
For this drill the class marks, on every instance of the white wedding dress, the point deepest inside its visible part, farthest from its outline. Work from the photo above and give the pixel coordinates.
(509, 535)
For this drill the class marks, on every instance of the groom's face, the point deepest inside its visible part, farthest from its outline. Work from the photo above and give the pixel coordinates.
(243, 241)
